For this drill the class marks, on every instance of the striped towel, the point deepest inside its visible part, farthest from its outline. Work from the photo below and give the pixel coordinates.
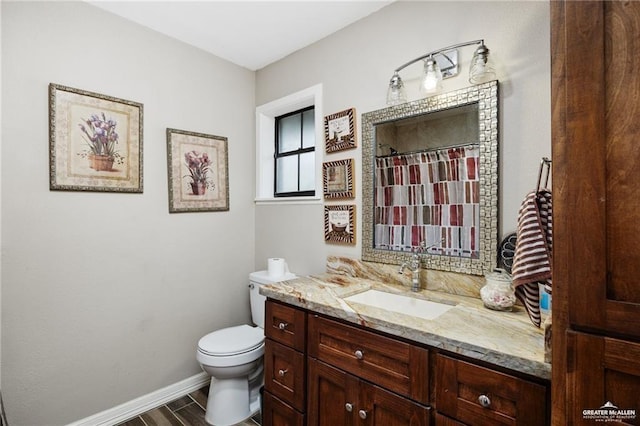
(532, 259)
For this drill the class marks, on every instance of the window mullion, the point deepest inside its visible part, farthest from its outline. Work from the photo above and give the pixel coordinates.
(300, 146)
(280, 181)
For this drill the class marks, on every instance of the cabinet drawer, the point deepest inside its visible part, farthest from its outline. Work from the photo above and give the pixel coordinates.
(480, 396)
(394, 365)
(284, 373)
(277, 413)
(285, 324)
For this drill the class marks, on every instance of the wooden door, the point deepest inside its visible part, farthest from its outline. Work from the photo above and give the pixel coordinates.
(596, 190)
(596, 166)
(332, 396)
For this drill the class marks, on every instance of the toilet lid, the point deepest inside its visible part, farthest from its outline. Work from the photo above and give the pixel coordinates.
(232, 340)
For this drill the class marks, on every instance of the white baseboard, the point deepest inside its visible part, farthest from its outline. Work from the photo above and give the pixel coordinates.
(145, 403)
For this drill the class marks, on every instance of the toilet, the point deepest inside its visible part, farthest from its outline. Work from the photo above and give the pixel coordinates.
(233, 357)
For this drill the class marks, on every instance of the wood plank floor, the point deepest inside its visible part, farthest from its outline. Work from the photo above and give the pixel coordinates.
(186, 411)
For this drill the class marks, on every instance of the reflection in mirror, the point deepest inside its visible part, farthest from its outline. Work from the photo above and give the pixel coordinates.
(430, 181)
(426, 194)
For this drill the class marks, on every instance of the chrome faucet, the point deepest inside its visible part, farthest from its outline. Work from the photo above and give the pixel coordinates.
(414, 266)
(414, 263)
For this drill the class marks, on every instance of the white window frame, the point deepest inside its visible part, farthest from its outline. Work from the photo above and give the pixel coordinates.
(265, 144)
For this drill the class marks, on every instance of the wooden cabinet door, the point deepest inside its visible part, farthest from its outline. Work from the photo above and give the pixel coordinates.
(602, 370)
(277, 413)
(595, 92)
(379, 407)
(284, 373)
(596, 164)
(337, 398)
(332, 396)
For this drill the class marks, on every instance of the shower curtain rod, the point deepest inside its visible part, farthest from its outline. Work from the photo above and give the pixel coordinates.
(440, 148)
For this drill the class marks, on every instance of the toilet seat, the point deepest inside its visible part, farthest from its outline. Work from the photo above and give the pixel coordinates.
(232, 346)
(231, 341)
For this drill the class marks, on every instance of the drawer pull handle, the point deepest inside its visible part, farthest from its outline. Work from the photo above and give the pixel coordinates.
(484, 401)
(359, 354)
(281, 373)
(362, 414)
(282, 325)
(348, 406)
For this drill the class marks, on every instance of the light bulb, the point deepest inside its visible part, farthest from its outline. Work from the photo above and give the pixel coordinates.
(431, 78)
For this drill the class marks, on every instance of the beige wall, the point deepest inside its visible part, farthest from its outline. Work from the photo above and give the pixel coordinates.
(354, 66)
(105, 295)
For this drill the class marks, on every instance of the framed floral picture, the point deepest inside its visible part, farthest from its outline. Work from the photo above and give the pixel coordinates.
(95, 141)
(337, 179)
(340, 130)
(198, 172)
(340, 224)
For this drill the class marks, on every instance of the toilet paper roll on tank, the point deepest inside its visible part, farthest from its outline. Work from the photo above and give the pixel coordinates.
(277, 271)
(277, 267)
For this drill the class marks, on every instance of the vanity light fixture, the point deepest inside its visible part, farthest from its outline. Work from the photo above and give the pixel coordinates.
(441, 64)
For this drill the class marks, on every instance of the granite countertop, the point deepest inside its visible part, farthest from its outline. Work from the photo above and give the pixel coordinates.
(507, 339)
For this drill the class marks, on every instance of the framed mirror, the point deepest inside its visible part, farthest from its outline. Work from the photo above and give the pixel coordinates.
(430, 181)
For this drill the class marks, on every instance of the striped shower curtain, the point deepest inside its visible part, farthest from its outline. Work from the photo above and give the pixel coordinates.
(429, 196)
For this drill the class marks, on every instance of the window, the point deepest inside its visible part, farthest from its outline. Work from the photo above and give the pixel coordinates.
(295, 154)
(266, 115)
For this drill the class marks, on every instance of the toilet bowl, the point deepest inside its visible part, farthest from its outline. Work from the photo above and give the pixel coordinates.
(230, 356)
(233, 357)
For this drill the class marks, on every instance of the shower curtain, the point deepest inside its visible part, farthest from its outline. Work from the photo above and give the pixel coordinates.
(430, 197)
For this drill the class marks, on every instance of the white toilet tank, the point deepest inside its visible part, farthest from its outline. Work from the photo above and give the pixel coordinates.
(257, 279)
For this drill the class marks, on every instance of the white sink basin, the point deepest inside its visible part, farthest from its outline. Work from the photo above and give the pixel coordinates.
(401, 304)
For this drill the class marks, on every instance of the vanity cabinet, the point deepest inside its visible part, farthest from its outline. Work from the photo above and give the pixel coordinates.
(342, 374)
(480, 396)
(284, 366)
